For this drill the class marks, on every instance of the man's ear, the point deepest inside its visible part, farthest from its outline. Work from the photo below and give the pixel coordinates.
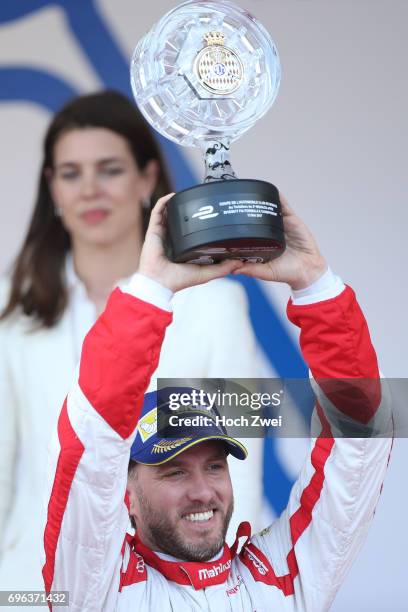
(130, 504)
(130, 501)
(131, 495)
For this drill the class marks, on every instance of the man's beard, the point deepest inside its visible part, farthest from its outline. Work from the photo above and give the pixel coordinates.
(164, 537)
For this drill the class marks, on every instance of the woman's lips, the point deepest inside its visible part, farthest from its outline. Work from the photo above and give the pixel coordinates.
(94, 216)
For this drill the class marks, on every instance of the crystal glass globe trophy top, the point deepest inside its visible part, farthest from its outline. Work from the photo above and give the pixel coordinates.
(202, 76)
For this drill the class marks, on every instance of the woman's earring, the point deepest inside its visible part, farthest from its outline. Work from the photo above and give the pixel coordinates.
(146, 203)
(57, 211)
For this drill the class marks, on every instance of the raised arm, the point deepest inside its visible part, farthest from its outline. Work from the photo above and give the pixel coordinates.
(89, 455)
(87, 516)
(305, 554)
(310, 548)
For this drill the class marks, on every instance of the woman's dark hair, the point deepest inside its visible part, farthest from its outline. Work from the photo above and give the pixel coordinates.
(38, 281)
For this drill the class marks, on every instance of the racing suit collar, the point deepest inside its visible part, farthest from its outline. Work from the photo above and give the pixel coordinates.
(199, 575)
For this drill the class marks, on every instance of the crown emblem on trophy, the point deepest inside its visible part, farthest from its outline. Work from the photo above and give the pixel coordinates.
(218, 68)
(214, 38)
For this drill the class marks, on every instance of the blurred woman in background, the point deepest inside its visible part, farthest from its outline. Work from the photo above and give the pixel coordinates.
(100, 173)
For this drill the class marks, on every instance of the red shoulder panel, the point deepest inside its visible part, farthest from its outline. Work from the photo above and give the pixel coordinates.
(336, 344)
(119, 355)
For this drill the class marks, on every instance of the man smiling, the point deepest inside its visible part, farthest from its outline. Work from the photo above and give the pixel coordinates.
(110, 462)
(184, 506)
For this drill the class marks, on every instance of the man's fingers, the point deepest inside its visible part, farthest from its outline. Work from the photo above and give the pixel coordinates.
(161, 202)
(286, 209)
(156, 217)
(251, 269)
(218, 270)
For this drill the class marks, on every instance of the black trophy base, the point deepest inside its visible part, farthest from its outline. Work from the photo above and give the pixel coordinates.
(233, 219)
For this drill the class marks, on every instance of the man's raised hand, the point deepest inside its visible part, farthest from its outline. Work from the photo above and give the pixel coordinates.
(155, 264)
(300, 265)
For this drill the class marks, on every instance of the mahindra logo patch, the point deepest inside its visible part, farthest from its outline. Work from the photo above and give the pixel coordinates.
(214, 571)
(205, 212)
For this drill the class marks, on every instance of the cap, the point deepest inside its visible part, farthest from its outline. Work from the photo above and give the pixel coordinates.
(165, 430)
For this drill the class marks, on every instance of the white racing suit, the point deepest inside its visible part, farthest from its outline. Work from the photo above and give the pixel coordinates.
(297, 563)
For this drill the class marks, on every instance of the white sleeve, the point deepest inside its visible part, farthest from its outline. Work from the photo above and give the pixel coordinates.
(328, 286)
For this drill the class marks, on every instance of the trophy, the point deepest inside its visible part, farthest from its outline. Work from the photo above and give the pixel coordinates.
(202, 76)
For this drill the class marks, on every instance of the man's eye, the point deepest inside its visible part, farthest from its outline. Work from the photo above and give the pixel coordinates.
(175, 473)
(215, 467)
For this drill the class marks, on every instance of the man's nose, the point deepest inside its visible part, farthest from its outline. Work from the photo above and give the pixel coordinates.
(199, 489)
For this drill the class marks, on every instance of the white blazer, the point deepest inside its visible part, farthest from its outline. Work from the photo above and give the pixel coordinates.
(210, 337)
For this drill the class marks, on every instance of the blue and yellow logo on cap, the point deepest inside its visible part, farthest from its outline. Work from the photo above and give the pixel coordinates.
(147, 426)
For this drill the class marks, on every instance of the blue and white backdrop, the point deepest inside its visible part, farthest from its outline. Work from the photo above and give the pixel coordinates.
(334, 143)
